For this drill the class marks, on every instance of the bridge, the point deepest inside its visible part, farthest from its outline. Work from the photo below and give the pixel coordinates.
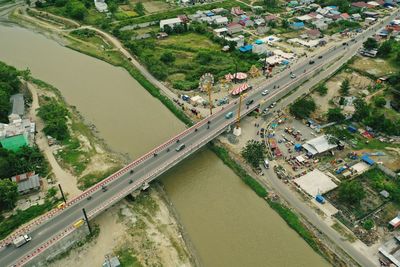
(58, 223)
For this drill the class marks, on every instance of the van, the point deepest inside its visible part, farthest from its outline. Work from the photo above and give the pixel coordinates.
(229, 115)
(266, 163)
(180, 147)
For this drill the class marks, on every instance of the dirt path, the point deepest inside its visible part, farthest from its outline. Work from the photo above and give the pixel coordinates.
(65, 179)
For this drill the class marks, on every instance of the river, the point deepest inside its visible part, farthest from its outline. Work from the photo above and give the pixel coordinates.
(226, 222)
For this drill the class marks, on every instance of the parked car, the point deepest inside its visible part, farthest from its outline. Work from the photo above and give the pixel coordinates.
(311, 62)
(320, 57)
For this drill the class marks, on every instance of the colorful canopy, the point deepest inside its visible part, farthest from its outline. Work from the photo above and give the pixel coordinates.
(240, 88)
(229, 77)
(240, 76)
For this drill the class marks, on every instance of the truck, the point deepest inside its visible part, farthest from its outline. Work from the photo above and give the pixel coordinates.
(21, 240)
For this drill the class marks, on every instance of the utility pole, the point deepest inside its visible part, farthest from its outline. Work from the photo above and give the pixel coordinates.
(209, 89)
(236, 71)
(87, 221)
(237, 131)
(62, 193)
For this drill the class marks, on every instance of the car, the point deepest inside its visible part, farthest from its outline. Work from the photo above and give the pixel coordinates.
(104, 188)
(320, 57)
(180, 147)
(229, 115)
(272, 105)
(265, 92)
(344, 43)
(265, 111)
(292, 75)
(311, 62)
(251, 101)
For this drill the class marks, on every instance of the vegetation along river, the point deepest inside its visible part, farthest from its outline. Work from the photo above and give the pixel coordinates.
(226, 222)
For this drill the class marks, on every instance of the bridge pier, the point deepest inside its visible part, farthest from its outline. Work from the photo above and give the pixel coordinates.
(237, 131)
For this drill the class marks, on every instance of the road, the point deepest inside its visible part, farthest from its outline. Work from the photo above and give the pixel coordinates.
(164, 157)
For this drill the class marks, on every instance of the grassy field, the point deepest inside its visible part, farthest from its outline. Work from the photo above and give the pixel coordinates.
(194, 54)
(375, 66)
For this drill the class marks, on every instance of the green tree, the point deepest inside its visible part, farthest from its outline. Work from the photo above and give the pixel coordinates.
(167, 57)
(55, 115)
(335, 115)
(8, 194)
(254, 152)
(303, 108)
(361, 110)
(368, 224)
(5, 106)
(351, 192)
(322, 89)
(370, 44)
(76, 9)
(271, 3)
(139, 8)
(380, 101)
(385, 48)
(204, 58)
(345, 87)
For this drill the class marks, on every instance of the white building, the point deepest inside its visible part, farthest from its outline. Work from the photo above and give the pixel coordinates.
(319, 145)
(101, 5)
(170, 22)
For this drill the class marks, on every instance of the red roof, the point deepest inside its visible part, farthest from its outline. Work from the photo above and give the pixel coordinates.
(271, 17)
(314, 32)
(233, 24)
(360, 4)
(345, 16)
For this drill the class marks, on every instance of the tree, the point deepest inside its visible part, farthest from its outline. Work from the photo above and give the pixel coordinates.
(368, 224)
(335, 115)
(370, 44)
(322, 89)
(139, 8)
(285, 23)
(55, 115)
(303, 108)
(271, 3)
(8, 194)
(76, 9)
(361, 110)
(204, 58)
(351, 192)
(5, 106)
(385, 49)
(167, 58)
(380, 101)
(345, 87)
(254, 152)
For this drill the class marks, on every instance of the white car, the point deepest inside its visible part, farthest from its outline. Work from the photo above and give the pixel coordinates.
(265, 92)
(293, 76)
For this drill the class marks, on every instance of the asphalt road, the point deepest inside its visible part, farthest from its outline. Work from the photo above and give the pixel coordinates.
(168, 156)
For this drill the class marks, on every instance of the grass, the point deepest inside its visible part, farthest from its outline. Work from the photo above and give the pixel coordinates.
(8, 225)
(127, 258)
(90, 179)
(194, 53)
(344, 232)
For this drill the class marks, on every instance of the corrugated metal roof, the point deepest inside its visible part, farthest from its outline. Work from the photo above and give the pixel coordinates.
(18, 105)
(33, 182)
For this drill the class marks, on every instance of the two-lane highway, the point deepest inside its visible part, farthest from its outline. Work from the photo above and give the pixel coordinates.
(166, 156)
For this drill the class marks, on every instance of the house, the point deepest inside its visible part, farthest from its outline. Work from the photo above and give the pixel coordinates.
(371, 14)
(219, 10)
(246, 48)
(373, 4)
(14, 143)
(345, 16)
(219, 20)
(297, 25)
(234, 28)
(237, 11)
(270, 18)
(170, 22)
(320, 25)
(239, 40)
(220, 31)
(247, 23)
(259, 22)
(356, 17)
(313, 34)
(27, 182)
(304, 18)
(111, 262)
(18, 104)
(359, 5)
(293, 4)
(370, 20)
(318, 145)
(184, 18)
(101, 5)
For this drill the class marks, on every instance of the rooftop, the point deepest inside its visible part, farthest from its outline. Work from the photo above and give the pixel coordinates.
(315, 182)
(318, 145)
(18, 106)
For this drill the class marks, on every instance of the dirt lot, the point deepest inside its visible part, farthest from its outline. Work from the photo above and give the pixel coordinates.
(374, 66)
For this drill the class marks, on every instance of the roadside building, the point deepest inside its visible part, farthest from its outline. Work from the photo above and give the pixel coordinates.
(170, 22)
(234, 28)
(101, 5)
(319, 145)
(27, 182)
(297, 25)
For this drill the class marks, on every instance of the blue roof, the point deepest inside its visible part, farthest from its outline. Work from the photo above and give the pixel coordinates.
(246, 48)
(298, 145)
(335, 12)
(298, 24)
(367, 160)
(259, 42)
(210, 14)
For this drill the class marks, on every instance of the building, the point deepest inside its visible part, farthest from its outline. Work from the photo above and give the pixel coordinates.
(237, 11)
(18, 105)
(239, 40)
(313, 34)
(219, 20)
(320, 25)
(27, 182)
(318, 145)
(101, 5)
(170, 22)
(297, 25)
(111, 262)
(234, 28)
(356, 17)
(220, 31)
(14, 143)
(315, 183)
(389, 252)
